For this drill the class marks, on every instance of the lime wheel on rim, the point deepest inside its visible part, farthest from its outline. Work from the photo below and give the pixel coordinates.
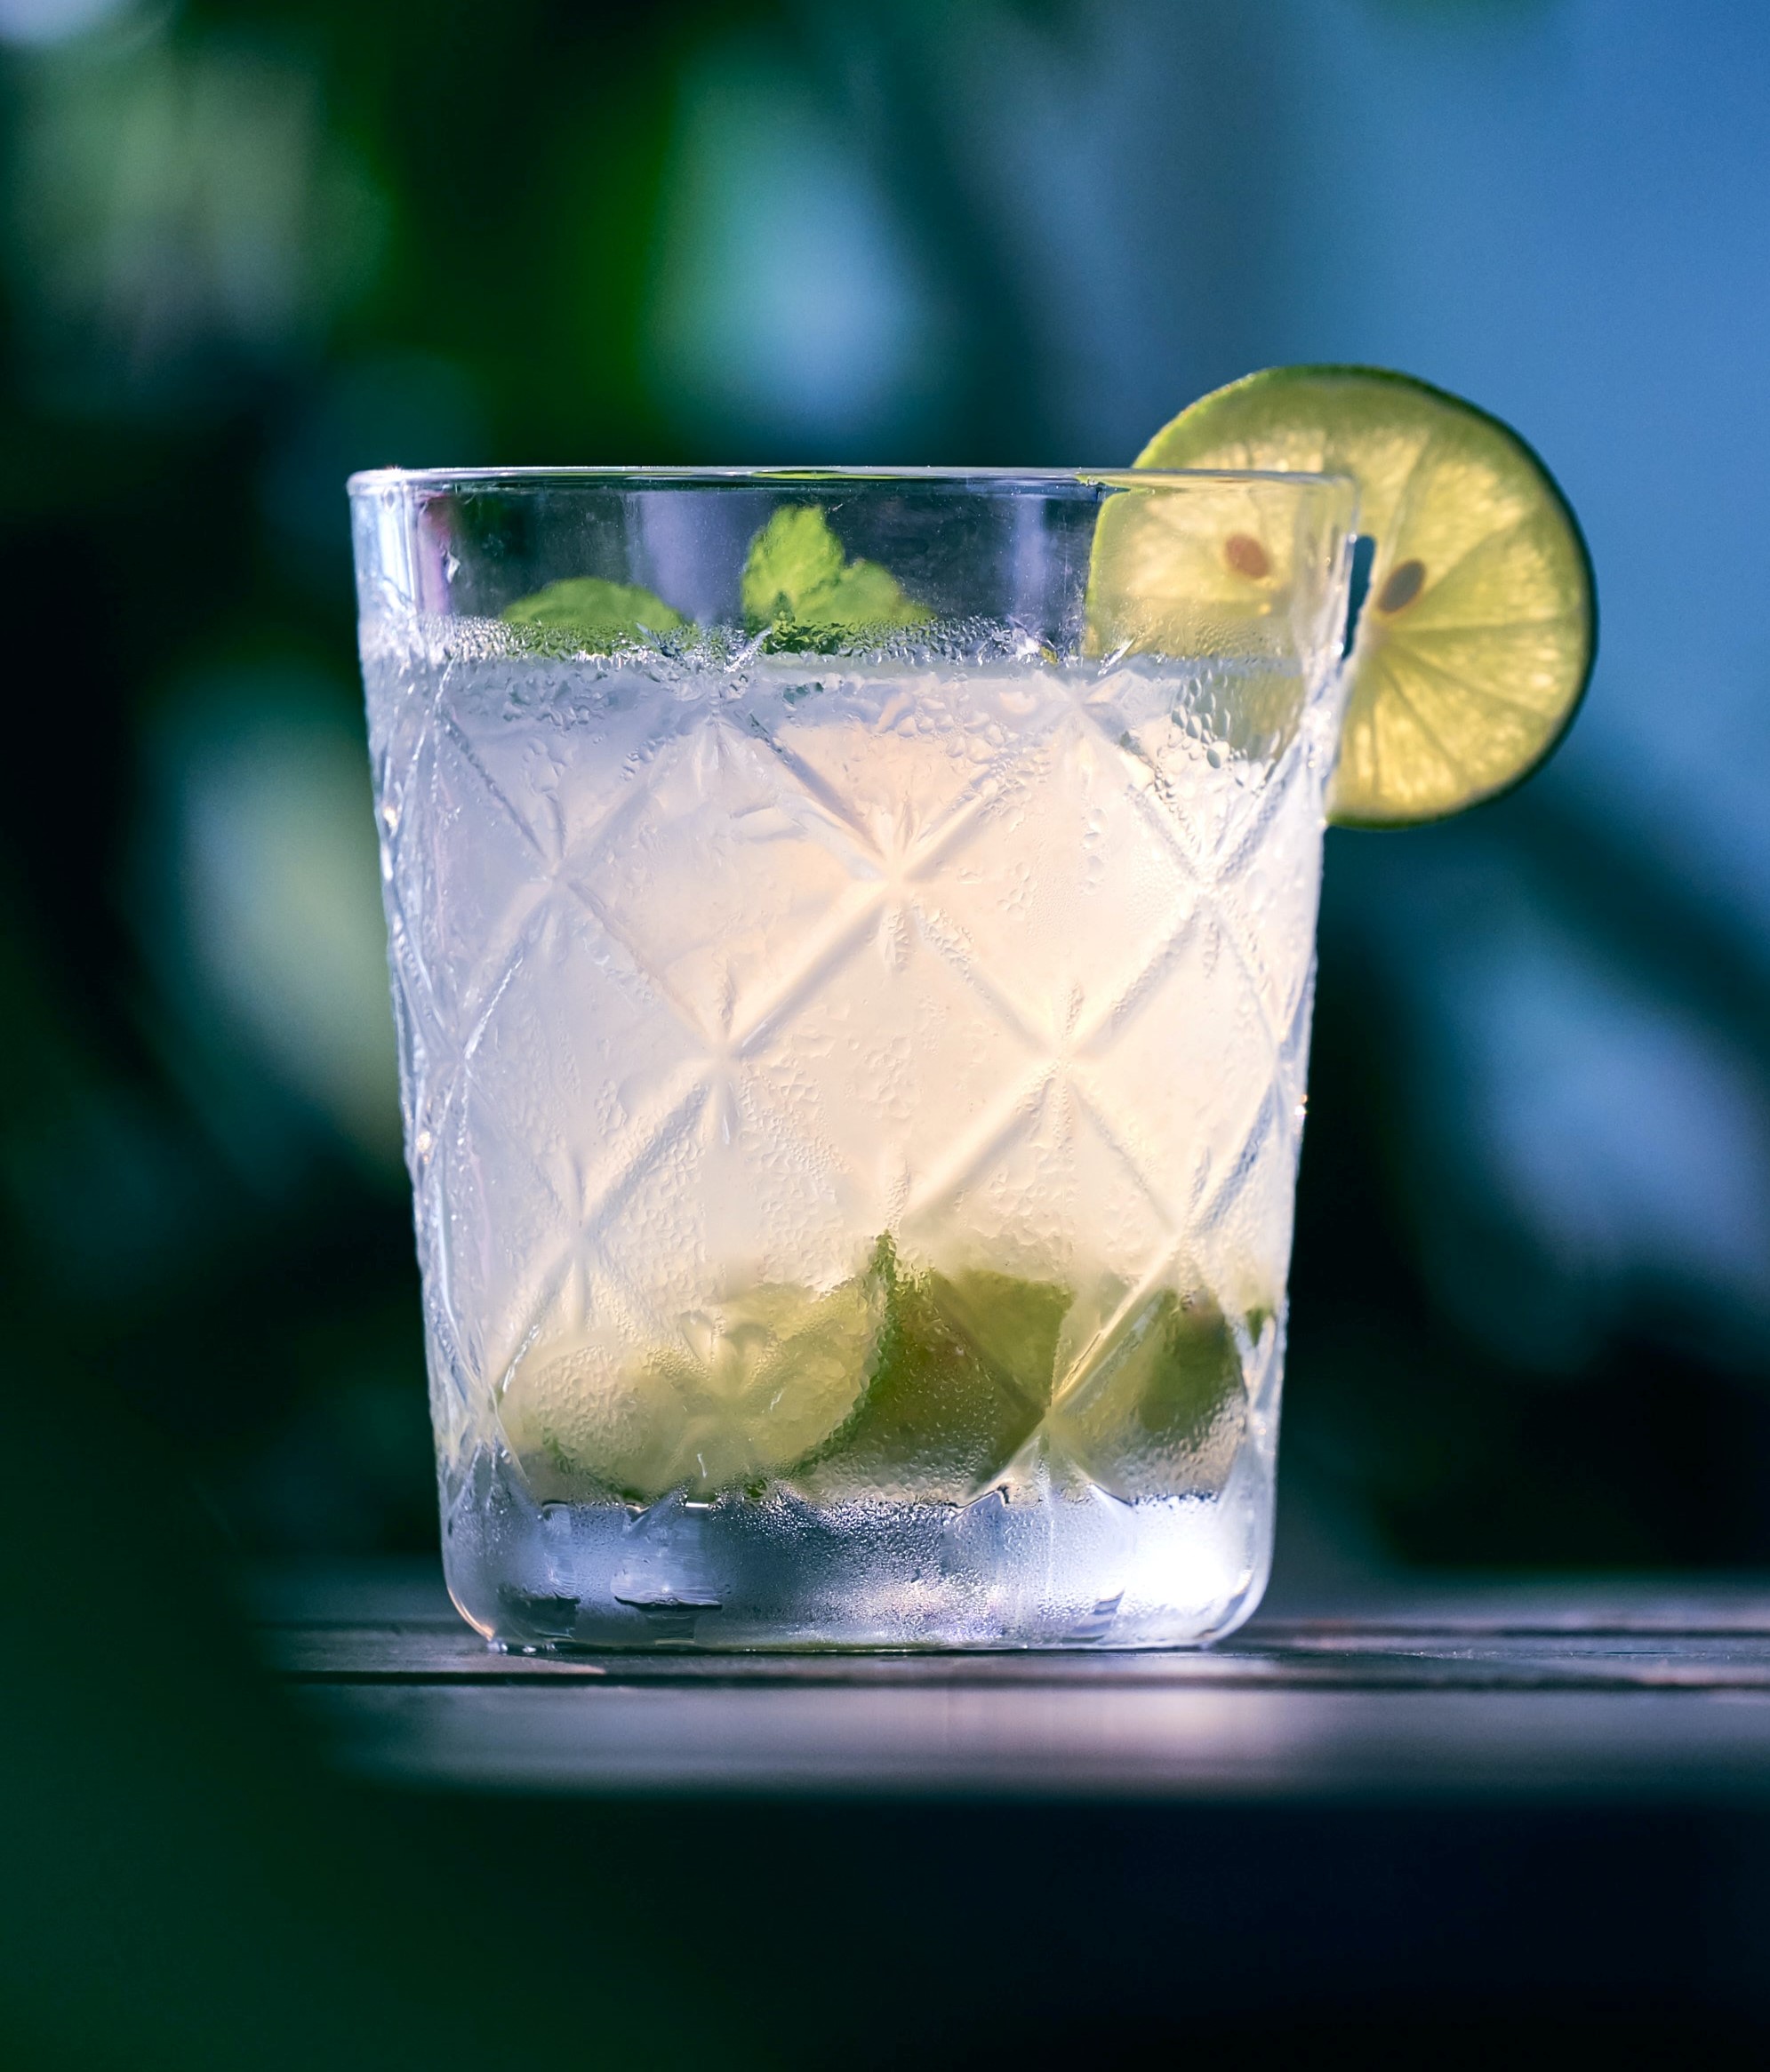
(1477, 632)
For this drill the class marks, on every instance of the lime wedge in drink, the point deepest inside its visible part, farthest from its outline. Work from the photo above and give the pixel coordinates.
(739, 1391)
(1157, 1407)
(1476, 635)
(960, 1378)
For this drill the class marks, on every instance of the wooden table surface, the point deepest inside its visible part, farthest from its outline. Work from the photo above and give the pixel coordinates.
(1643, 1692)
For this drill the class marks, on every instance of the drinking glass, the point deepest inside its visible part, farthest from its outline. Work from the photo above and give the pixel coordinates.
(853, 939)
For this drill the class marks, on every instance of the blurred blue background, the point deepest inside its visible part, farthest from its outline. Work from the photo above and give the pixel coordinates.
(245, 249)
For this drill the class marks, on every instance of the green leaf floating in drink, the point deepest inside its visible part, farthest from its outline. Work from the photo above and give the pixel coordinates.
(590, 615)
(799, 583)
(798, 587)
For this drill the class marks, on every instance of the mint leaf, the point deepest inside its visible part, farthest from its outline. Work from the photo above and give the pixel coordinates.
(589, 612)
(793, 559)
(796, 576)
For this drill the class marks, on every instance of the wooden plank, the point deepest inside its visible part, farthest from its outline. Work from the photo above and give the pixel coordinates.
(1347, 1658)
(1648, 1691)
(1078, 1741)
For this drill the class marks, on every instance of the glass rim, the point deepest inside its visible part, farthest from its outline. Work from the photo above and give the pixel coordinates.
(374, 481)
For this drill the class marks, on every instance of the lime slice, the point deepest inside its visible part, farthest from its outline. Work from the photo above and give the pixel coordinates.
(1159, 1407)
(960, 1378)
(1476, 636)
(797, 581)
(741, 1389)
(590, 613)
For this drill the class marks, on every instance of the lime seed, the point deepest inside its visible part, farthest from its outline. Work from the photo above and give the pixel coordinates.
(1246, 556)
(1404, 585)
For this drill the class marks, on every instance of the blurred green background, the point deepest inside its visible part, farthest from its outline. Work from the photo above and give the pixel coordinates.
(245, 249)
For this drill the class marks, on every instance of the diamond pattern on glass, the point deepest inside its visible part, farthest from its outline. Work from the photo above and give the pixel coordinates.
(1053, 1187)
(699, 992)
(1065, 887)
(717, 877)
(469, 873)
(876, 1058)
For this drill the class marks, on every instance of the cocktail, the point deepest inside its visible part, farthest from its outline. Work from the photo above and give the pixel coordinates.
(853, 942)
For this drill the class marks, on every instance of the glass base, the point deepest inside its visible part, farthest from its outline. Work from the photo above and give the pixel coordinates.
(1027, 1565)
